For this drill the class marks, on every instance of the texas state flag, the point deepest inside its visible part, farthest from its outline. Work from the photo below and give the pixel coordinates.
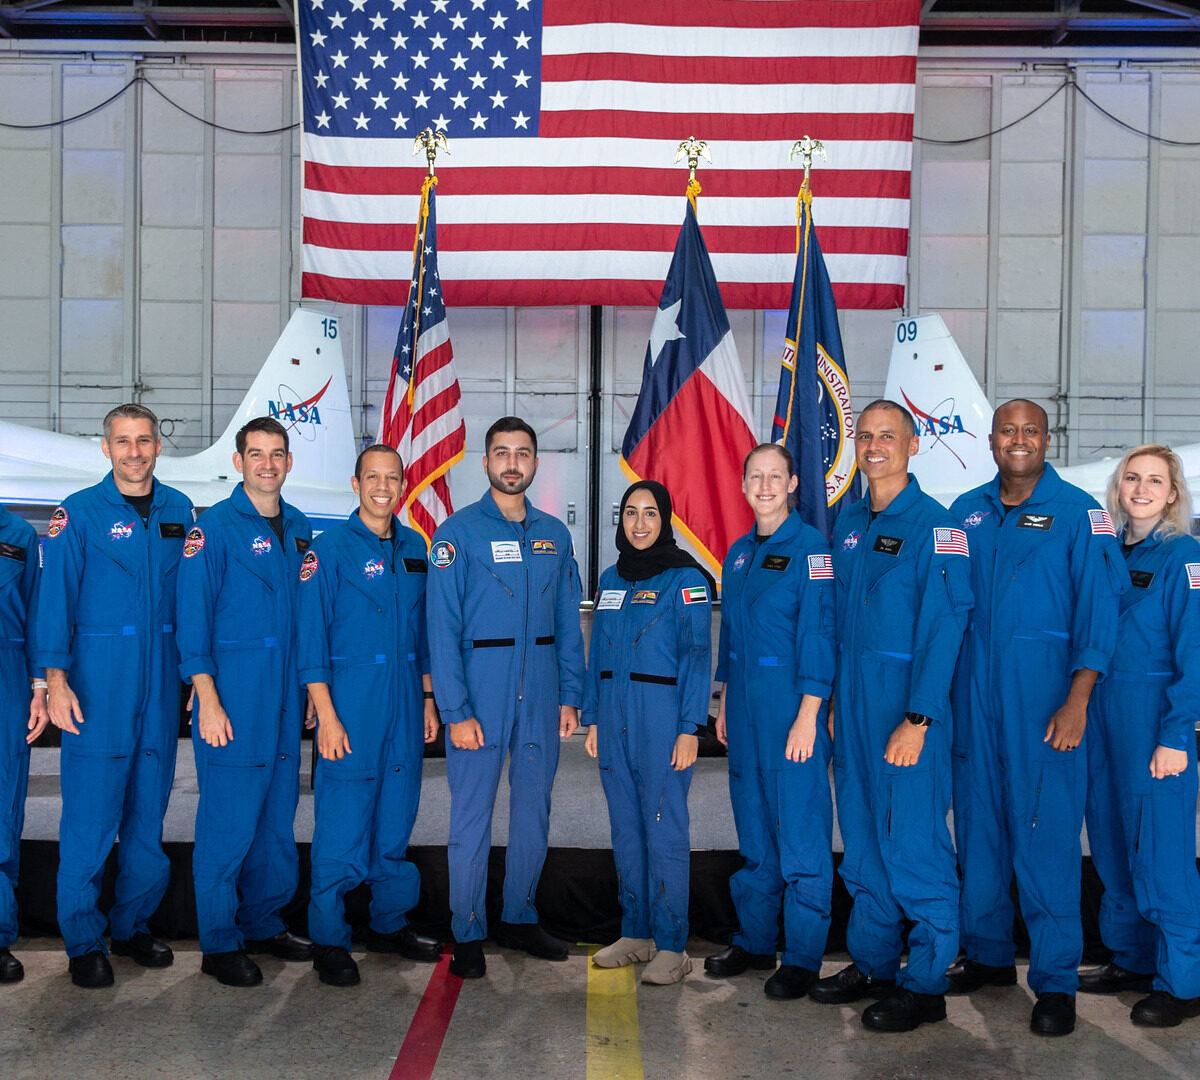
(692, 425)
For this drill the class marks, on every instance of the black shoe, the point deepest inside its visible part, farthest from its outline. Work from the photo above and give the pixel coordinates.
(790, 982)
(231, 968)
(1161, 1009)
(1053, 1014)
(903, 1010)
(735, 960)
(11, 970)
(849, 985)
(91, 970)
(467, 961)
(1110, 977)
(145, 950)
(530, 938)
(408, 943)
(967, 976)
(335, 966)
(285, 946)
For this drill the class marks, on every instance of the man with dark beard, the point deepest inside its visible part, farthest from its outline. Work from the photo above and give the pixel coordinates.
(507, 659)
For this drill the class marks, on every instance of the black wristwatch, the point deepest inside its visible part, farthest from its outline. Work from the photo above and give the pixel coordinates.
(917, 719)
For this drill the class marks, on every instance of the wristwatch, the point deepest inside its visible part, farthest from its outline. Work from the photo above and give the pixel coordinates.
(918, 720)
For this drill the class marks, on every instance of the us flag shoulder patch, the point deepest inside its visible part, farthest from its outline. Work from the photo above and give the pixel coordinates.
(950, 542)
(820, 566)
(1193, 575)
(1101, 523)
(696, 594)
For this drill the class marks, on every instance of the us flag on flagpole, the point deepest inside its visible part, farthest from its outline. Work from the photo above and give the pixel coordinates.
(422, 417)
(565, 116)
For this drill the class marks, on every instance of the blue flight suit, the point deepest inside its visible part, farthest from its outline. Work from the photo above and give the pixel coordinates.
(106, 615)
(903, 593)
(1047, 576)
(361, 630)
(506, 648)
(649, 680)
(19, 557)
(1142, 831)
(237, 604)
(777, 644)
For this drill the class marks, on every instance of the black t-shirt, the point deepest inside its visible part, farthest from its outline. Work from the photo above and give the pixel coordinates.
(276, 524)
(141, 505)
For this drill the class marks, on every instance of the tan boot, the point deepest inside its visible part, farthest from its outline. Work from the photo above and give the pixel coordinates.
(666, 968)
(623, 952)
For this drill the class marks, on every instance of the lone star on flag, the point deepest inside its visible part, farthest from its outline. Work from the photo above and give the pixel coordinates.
(665, 328)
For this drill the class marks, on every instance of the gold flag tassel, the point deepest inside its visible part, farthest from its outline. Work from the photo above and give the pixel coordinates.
(693, 149)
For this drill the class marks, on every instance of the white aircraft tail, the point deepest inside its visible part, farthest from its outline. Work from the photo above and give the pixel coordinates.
(303, 386)
(931, 378)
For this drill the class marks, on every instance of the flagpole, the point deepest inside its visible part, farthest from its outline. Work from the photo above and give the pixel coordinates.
(693, 149)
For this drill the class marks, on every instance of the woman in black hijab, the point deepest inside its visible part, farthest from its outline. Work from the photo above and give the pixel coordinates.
(648, 686)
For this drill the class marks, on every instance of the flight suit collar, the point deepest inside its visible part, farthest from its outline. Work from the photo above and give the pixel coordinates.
(1047, 489)
(112, 493)
(488, 504)
(241, 502)
(786, 531)
(902, 503)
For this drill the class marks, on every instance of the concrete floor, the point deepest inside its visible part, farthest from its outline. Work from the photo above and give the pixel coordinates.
(529, 1019)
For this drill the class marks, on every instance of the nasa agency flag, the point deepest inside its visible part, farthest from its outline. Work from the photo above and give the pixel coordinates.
(814, 417)
(692, 426)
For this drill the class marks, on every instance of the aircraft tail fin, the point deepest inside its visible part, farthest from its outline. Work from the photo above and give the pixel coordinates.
(932, 379)
(302, 384)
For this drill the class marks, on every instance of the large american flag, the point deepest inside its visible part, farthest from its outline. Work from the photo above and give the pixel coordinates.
(422, 415)
(564, 117)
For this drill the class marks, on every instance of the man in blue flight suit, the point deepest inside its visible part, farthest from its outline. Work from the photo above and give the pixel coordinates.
(507, 658)
(362, 651)
(1047, 575)
(105, 634)
(237, 600)
(903, 593)
(23, 715)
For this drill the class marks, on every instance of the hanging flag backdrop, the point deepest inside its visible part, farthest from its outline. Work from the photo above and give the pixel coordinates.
(564, 116)
(692, 426)
(422, 416)
(814, 416)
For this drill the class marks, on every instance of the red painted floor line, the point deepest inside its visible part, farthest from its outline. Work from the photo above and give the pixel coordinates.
(419, 1052)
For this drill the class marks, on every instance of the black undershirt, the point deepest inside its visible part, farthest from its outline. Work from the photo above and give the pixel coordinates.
(1127, 549)
(276, 524)
(141, 505)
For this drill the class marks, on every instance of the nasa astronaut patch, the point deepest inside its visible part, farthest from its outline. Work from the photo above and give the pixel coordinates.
(58, 522)
(442, 554)
(308, 565)
(194, 542)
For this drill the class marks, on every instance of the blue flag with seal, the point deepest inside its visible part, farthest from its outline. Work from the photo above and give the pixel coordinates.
(814, 417)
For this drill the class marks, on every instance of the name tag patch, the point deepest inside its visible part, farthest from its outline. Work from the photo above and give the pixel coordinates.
(888, 545)
(1141, 578)
(301, 544)
(416, 566)
(776, 562)
(645, 596)
(610, 599)
(1041, 522)
(12, 551)
(506, 551)
(695, 594)
(171, 530)
(544, 547)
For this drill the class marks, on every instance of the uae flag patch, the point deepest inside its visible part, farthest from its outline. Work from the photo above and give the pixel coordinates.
(820, 566)
(1101, 523)
(697, 594)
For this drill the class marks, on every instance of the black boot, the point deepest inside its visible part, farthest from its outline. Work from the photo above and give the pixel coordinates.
(967, 976)
(1110, 978)
(335, 966)
(849, 985)
(532, 939)
(468, 961)
(790, 982)
(903, 1010)
(144, 950)
(1161, 1009)
(231, 968)
(1053, 1014)
(408, 943)
(735, 960)
(91, 970)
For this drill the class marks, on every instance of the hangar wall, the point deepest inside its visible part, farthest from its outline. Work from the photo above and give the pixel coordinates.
(149, 255)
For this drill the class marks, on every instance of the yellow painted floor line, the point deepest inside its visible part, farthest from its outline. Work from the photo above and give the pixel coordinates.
(614, 1045)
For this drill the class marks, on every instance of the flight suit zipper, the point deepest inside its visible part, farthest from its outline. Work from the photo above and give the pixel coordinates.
(528, 598)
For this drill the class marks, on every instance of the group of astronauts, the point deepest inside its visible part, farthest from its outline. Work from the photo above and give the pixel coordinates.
(931, 656)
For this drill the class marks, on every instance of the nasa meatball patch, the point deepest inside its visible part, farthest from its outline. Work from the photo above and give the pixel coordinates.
(194, 543)
(442, 554)
(309, 564)
(58, 522)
